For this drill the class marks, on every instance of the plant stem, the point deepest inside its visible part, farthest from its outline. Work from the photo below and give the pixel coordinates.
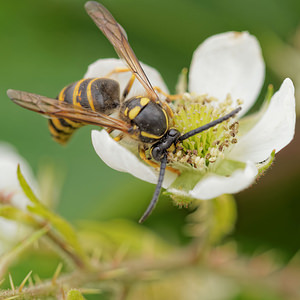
(225, 262)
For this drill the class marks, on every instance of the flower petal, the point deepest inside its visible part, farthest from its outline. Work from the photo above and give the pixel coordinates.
(11, 232)
(9, 183)
(102, 67)
(274, 130)
(214, 185)
(228, 63)
(121, 159)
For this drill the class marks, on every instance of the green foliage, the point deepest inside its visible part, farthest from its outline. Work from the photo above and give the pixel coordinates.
(38, 209)
(26, 188)
(212, 220)
(10, 257)
(224, 217)
(265, 165)
(227, 167)
(74, 295)
(116, 237)
(127, 258)
(93, 190)
(13, 213)
(187, 180)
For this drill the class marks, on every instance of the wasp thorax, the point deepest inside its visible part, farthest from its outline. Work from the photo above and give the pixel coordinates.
(207, 147)
(148, 119)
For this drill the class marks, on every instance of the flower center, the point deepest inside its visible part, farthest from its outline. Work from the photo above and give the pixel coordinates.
(205, 148)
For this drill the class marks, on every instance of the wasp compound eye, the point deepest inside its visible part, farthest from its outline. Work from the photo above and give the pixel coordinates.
(157, 153)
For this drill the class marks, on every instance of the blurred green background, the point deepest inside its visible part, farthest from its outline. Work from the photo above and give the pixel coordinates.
(48, 44)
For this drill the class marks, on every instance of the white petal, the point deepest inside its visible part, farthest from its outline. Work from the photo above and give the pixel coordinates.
(230, 62)
(273, 131)
(214, 185)
(11, 232)
(102, 67)
(121, 159)
(9, 183)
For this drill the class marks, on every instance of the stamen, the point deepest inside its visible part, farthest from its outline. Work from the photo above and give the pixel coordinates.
(207, 147)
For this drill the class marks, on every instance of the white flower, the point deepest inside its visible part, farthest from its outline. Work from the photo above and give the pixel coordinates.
(11, 193)
(225, 64)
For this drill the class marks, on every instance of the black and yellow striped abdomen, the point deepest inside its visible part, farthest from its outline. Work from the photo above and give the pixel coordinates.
(98, 94)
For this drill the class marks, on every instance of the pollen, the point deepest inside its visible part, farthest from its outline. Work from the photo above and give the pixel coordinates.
(203, 150)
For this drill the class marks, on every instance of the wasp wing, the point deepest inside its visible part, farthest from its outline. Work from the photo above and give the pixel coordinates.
(55, 108)
(118, 38)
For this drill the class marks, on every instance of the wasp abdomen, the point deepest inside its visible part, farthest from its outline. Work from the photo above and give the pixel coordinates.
(98, 94)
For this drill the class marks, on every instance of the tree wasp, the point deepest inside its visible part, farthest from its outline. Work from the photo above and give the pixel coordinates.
(145, 119)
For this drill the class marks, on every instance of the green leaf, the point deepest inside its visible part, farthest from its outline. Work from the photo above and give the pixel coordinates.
(13, 213)
(74, 295)
(26, 188)
(61, 225)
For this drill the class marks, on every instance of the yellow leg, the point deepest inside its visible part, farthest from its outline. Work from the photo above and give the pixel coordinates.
(118, 70)
(153, 164)
(168, 109)
(130, 83)
(119, 137)
(128, 87)
(169, 98)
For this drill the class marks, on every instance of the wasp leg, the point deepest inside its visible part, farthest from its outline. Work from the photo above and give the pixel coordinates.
(119, 137)
(128, 87)
(109, 130)
(117, 70)
(153, 164)
(168, 109)
(169, 97)
(130, 83)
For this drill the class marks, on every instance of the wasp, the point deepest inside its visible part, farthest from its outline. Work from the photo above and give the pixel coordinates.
(145, 119)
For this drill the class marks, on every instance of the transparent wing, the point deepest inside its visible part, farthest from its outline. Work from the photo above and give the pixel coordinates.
(118, 38)
(54, 108)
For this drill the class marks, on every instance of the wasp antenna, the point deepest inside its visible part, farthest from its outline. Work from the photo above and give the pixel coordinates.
(209, 125)
(154, 199)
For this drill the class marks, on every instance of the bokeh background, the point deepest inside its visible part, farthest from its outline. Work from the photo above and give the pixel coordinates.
(47, 44)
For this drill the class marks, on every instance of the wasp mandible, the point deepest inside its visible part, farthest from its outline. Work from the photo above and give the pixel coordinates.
(146, 119)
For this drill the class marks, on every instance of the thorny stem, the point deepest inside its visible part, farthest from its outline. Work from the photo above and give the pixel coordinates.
(130, 270)
(64, 247)
(258, 272)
